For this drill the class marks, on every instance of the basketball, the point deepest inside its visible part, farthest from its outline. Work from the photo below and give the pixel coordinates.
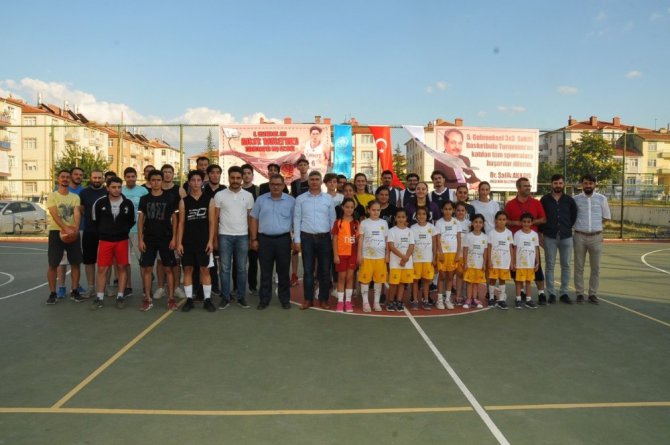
(69, 238)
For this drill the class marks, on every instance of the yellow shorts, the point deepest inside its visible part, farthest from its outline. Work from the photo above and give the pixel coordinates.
(500, 274)
(475, 276)
(424, 271)
(404, 276)
(523, 275)
(448, 264)
(372, 270)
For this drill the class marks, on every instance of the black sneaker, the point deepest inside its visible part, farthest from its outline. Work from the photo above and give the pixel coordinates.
(390, 307)
(530, 304)
(127, 292)
(580, 299)
(76, 296)
(399, 306)
(593, 299)
(518, 304)
(120, 302)
(242, 302)
(53, 298)
(224, 304)
(502, 304)
(189, 305)
(491, 302)
(565, 299)
(97, 304)
(552, 299)
(432, 288)
(542, 299)
(209, 306)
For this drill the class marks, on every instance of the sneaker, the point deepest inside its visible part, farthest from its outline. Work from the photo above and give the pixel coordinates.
(530, 304)
(208, 305)
(224, 304)
(414, 305)
(127, 292)
(390, 307)
(60, 292)
(179, 293)
(425, 305)
(189, 305)
(479, 305)
(53, 298)
(377, 307)
(491, 302)
(159, 293)
(518, 304)
(146, 305)
(243, 303)
(348, 307)
(440, 303)
(90, 292)
(580, 299)
(431, 302)
(552, 299)
(459, 302)
(502, 304)
(97, 304)
(340, 306)
(565, 299)
(542, 299)
(593, 299)
(466, 306)
(366, 307)
(432, 288)
(172, 305)
(449, 304)
(294, 280)
(76, 296)
(399, 306)
(120, 302)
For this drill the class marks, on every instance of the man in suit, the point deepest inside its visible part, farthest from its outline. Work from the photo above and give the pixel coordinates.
(453, 145)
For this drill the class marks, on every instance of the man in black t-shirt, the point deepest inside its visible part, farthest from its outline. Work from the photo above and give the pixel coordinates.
(156, 228)
(89, 239)
(301, 185)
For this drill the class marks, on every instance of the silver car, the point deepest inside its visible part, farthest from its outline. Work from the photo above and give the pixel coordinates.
(22, 217)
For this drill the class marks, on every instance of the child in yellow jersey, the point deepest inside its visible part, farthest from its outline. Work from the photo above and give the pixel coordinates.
(501, 248)
(400, 249)
(474, 252)
(447, 246)
(372, 255)
(424, 257)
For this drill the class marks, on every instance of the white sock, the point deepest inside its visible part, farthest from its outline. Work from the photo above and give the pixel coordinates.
(188, 290)
(501, 289)
(378, 292)
(347, 294)
(340, 297)
(440, 297)
(365, 290)
(119, 295)
(528, 298)
(448, 295)
(100, 295)
(518, 298)
(207, 290)
(492, 291)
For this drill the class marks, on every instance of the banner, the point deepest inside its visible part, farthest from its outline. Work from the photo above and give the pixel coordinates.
(342, 152)
(260, 145)
(382, 137)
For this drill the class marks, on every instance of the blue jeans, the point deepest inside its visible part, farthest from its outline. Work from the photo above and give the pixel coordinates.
(564, 248)
(229, 246)
(316, 250)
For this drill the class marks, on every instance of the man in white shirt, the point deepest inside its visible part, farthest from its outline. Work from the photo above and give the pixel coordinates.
(592, 213)
(232, 212)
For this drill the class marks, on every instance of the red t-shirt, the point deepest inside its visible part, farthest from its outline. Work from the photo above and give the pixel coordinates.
(515, 208)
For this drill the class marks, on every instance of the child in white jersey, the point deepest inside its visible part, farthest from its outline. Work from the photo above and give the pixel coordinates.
(424, 256)
(372, 255)
(447, 247)
(463, 229)
(400, 249)
(475, 246)
(526, 260)
(501, 250)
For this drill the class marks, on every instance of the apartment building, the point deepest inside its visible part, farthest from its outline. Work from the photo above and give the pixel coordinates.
(652, 164)
(164, 153)
(10, 149)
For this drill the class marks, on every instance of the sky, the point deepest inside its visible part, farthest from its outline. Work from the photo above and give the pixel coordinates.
(520, 64)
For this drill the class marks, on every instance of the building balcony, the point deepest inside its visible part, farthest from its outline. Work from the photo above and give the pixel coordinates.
(665, 154)
(72, 137)
(663, 172)
(96, 142)
(5, 119)
(6, 145)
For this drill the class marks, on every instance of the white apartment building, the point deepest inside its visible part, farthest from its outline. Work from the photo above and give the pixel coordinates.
(10, 149)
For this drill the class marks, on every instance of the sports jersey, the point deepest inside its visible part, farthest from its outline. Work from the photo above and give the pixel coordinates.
(346, 234)
(157, 211)
(423, 243)
(500, 243)
(374, 238)
(525, 244)
(196, 222)
(448, 231)
(476, 245)
(401, 239)
(463, 229)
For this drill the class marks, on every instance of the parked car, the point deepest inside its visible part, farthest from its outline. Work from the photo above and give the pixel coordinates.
(22, 217)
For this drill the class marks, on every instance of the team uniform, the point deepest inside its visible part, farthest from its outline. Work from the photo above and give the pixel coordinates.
(463, 230)
(346, 234)
(373, 266)
(448, 232)
(501, 260)
(526, 244)
(157, 230)
(423, 251)
(196, 231)
(476, 245)
(402, 239)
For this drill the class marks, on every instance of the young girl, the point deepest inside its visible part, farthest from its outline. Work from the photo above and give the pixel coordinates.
(345, 250)
(475, 246)
(372, 255)
(424, 255)
(501, 242)
(447, 246)
(463, 229)
(526, 259)
(400, 249)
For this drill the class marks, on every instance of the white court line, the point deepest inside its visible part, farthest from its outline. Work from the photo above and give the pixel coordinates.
(11, 278)
(642, 258)
(23, 248)
(464, 389)
(28, 290)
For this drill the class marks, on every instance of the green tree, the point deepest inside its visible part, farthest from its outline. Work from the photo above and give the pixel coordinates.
(80, 157)
(399, 163)
(211, 148)
(593, 154)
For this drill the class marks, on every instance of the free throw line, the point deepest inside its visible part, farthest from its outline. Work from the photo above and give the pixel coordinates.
(643, 258)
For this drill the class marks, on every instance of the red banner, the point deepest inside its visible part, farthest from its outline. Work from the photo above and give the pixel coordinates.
(382, 137)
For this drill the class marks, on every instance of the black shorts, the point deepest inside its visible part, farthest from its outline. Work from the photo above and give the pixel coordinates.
(57, 248)
(195, 258)
(148, 257)
(539, 275)
(89, 247)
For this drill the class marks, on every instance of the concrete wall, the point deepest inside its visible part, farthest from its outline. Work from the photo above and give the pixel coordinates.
(650, 215)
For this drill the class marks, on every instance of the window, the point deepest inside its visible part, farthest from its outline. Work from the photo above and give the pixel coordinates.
(110, 143)
(652, 146)
(30, 166)
(30, 121)
(29, 143)
(12, 161)
(367, 139)
(110, 158)
(633, 162)
(30, 187)
(651, 163)
(631, 181)
(366, 155)
(368, 171)
(163, 153)
(648, 180)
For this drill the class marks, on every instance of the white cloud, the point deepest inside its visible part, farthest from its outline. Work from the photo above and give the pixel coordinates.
(518, 109)
(633, 74)
(512, 110)
(502, 108)
(565, 89)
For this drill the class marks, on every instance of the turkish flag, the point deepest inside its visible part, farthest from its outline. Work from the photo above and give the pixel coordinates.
(382, 137)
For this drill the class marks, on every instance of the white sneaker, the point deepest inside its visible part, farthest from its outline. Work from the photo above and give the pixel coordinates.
(450, 305)
(159, 293)
(366, 307)
(178, 293)
(377, 307)
(479, 306)
(440, 303)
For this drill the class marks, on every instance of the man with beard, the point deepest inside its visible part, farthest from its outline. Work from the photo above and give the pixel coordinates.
(561, 212)
(409, 194)
(592, 213)
(387, 181)
(440, 193)
(76, 178)
(89, 238)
